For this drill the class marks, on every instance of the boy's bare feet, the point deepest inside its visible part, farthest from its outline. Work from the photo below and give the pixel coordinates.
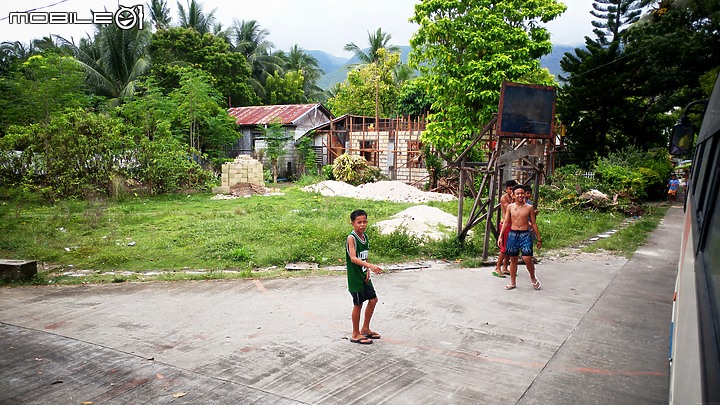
(370, 334)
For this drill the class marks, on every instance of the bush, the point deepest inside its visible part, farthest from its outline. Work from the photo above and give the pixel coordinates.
(327, 172)
(633, 174)
(354, 169)
(81, 154)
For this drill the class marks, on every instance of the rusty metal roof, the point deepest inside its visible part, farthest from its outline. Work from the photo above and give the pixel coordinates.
(288, 114)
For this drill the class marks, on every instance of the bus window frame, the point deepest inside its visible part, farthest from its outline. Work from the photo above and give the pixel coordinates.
(705, 201)
(702, 183)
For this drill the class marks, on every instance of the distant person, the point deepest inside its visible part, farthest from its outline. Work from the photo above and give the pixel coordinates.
(529, 201)
(503, 260)
(361, 288)
(520, 219)
(528, 198)
(673, 186)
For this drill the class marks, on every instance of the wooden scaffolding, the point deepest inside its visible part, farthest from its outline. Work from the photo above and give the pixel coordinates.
(391, 144)
(524, 153)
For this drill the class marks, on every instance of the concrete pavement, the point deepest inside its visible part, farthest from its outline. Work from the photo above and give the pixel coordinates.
(597, 332)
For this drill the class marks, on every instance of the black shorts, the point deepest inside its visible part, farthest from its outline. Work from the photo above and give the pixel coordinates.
(366, 295)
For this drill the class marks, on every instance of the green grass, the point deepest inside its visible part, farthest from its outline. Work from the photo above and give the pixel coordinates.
(628, 239)
(178, 232)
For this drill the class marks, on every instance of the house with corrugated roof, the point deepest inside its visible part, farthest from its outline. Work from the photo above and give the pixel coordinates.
(298, 120)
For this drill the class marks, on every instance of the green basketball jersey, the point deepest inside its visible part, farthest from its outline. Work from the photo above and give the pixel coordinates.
(356, 274)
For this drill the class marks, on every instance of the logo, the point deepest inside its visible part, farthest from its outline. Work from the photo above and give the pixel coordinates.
(125, 18)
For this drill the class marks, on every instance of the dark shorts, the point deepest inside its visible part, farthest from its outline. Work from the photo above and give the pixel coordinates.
(365, 295)
(519, 242)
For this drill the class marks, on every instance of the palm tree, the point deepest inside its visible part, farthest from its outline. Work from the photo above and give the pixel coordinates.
(250, 41)
(220, 32)
(159, 14)
(377, 40)
(298, 60)
(12, 52)
(114, 59)
(195, 18)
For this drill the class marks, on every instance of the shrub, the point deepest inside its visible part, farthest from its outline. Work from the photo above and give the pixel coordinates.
(354, 169)
(634, 173)
(327, 172)
(630, 173)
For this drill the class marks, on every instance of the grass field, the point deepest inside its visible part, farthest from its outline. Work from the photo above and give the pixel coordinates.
(176, 232)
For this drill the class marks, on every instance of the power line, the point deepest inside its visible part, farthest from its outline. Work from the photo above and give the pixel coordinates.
(36, 9)
(623, 56)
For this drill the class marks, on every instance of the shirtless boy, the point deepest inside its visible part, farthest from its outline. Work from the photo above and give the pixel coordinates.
(505, 200)
(520, 219)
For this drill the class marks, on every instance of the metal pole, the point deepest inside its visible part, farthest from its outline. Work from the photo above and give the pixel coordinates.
(461, 193)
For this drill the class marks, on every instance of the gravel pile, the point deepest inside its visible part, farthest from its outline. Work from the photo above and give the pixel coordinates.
(395, 191)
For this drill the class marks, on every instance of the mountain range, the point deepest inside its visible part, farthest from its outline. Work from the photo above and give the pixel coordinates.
(336, 68)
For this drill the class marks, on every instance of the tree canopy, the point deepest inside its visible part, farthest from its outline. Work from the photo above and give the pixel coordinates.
(619, 88)
(466, 50)
(369, 89)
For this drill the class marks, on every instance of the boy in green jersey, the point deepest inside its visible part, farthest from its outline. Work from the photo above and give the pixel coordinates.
(357, 247)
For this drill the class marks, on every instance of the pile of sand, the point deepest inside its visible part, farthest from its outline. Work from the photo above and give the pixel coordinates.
(395, 191)
(421, 221)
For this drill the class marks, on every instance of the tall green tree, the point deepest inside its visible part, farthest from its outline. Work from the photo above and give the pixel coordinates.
(43, 85)
(285, 89)
(159, 14)
(591, 100)
(176, 48)
(377, 40)
(114, 59)
(251, 41)
(466, 50)
(298, 60)
(613, 18)
(195, 18)
(12, 53)
(202, 123)
(369, 90)
(675, 52)
(619, 88)
(414, 99)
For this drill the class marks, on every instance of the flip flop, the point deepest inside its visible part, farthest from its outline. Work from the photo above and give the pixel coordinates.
(510, 287)
(373, 335)
(536, 284)
(365, 341)
(505, 272)
(495, 273)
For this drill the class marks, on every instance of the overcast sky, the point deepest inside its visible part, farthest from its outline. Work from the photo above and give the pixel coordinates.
(325, 25)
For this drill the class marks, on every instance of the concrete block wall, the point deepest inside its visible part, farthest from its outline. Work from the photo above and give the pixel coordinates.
(403, 172)
(400, 152)
(244, 169)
